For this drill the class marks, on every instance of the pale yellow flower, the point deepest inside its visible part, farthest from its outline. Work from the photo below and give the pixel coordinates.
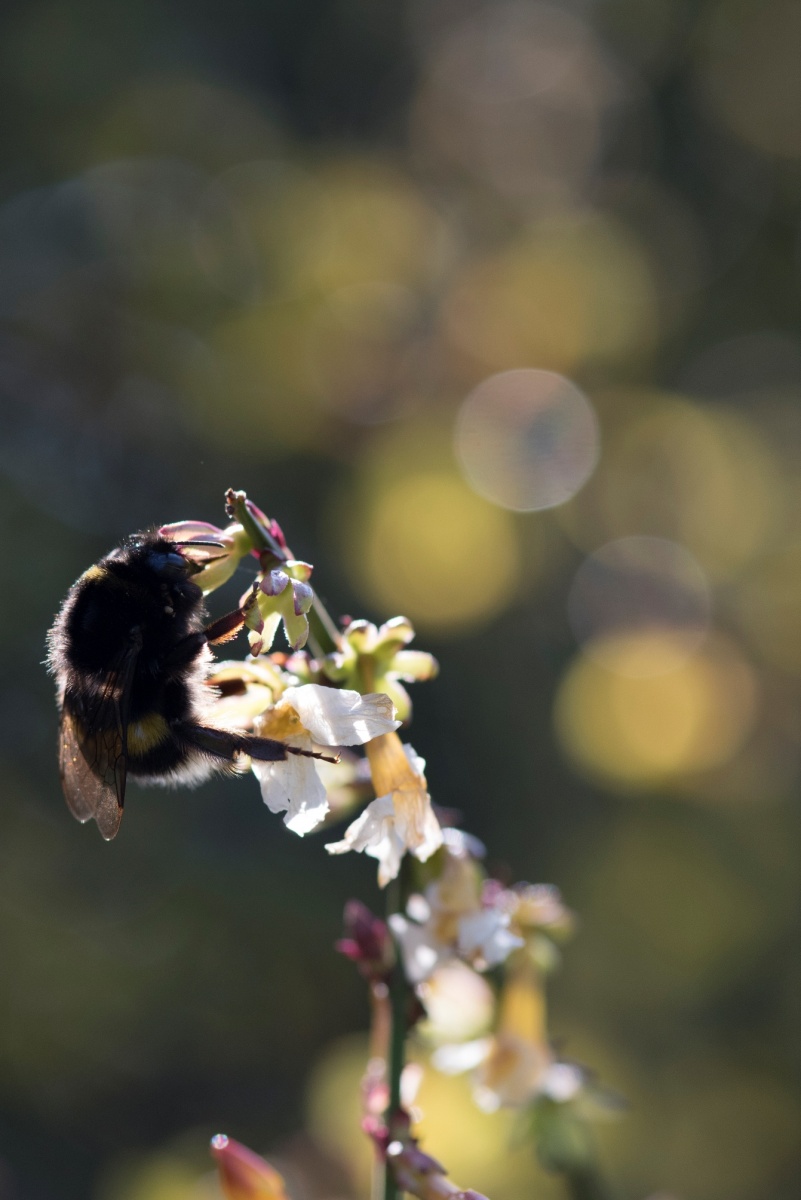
(516, 1063)
(401, 819)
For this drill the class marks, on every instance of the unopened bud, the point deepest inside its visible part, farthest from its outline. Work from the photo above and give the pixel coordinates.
(245, 1175)
(367, 942)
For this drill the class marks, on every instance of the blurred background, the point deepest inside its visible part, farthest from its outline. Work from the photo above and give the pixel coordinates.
(495, 307)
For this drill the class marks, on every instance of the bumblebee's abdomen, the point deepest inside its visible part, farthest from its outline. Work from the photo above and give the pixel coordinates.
(147, 733)
(154, 750)
(159, 753)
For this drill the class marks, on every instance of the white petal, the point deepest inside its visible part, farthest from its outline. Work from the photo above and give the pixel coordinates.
(389, 852)
(418, 908)
(452, 1060)
(486, 1099)
(368, 829)
(487, 932)
(562, 1081)
(432, 836)
(421, 951)
(293, 787)
(338, 717)
(374, 833)
(381, 834)
(417, 763)
(415, 823)
(411, 1079)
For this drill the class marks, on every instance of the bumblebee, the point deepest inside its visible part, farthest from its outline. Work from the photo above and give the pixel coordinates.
(130, 653)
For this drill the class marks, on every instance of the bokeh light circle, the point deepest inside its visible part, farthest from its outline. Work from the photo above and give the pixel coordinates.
(645, 587)
(527, 439)
(437, 553)
(635, 731)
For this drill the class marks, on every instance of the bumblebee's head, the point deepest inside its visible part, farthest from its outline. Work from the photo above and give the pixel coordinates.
(157, 556)
(169, 564)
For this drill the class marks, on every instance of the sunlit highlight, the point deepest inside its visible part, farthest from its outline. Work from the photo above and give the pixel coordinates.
(527, 439)
(428, 541)
(635, 728)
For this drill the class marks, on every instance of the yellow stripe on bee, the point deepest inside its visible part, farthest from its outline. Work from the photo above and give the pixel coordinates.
(98, 574)
(95, 572)
(146, 733)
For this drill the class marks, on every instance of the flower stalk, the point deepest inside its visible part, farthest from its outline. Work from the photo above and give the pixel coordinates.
(399, 997)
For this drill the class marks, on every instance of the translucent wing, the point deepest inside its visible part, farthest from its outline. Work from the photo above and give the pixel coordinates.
(92, 774)
(93, 747)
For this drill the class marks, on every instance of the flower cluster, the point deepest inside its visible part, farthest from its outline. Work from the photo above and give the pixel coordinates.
(515, 1064)
(448, 920)
(376, 659)
(453, 918)
(348, 697)
(401, 818)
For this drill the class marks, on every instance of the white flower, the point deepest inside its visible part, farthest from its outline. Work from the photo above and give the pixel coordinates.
(509, 1071)
(336, 717)
(421, 950)
(450, 920)
(516, 1063)
(305, 717)
(293, 787)
(401, 818)
(485, 935)
(459, 1003)
(480, 938)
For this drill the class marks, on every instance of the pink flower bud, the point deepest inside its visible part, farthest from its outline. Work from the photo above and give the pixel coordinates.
(367, 942)
(215, 552)
(271, 527)
(244, 1175)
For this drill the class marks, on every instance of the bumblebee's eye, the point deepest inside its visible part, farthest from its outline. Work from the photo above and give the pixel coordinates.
(168, 564)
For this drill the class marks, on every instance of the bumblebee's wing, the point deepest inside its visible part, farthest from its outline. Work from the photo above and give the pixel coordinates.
(92, 774)
(93, 749)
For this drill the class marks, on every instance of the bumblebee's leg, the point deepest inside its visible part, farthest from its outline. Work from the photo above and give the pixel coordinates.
(225, 744)
(224, 628)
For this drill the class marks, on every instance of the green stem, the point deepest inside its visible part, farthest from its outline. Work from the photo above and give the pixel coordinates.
(398, 1005)
(323, 632)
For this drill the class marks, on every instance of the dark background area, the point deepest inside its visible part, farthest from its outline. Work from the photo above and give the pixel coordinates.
(275, 247)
